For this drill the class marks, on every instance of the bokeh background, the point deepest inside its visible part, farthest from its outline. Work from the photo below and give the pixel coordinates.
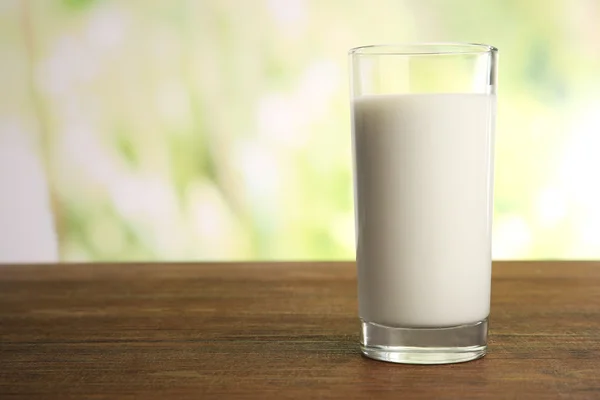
(220, 130)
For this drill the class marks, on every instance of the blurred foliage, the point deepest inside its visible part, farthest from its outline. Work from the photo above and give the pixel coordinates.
(219, 129)
(78, 4)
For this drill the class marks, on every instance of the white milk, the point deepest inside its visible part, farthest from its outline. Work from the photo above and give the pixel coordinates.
(423, 166)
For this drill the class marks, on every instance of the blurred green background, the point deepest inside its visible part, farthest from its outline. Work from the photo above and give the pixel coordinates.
(220, 130)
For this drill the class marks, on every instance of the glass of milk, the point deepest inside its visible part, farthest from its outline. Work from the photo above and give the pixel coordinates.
(423, 119)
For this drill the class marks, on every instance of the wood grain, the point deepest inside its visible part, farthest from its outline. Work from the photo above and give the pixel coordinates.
(276, 331)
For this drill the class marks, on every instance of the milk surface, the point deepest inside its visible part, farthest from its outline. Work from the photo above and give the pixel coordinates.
(423, 182)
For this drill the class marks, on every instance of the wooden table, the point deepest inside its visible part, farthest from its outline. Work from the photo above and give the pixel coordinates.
(276, 331)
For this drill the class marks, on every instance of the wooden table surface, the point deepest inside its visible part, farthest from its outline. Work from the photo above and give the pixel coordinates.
(276, 330)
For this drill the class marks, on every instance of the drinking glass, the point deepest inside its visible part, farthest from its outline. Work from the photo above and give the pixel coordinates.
(423, 119)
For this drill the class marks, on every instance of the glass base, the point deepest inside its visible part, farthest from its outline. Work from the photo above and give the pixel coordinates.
(424, 345)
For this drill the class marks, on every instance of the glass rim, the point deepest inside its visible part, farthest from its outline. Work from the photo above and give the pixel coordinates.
(422, 49)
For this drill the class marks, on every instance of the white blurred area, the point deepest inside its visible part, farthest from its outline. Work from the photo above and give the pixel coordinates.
(27, 231)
